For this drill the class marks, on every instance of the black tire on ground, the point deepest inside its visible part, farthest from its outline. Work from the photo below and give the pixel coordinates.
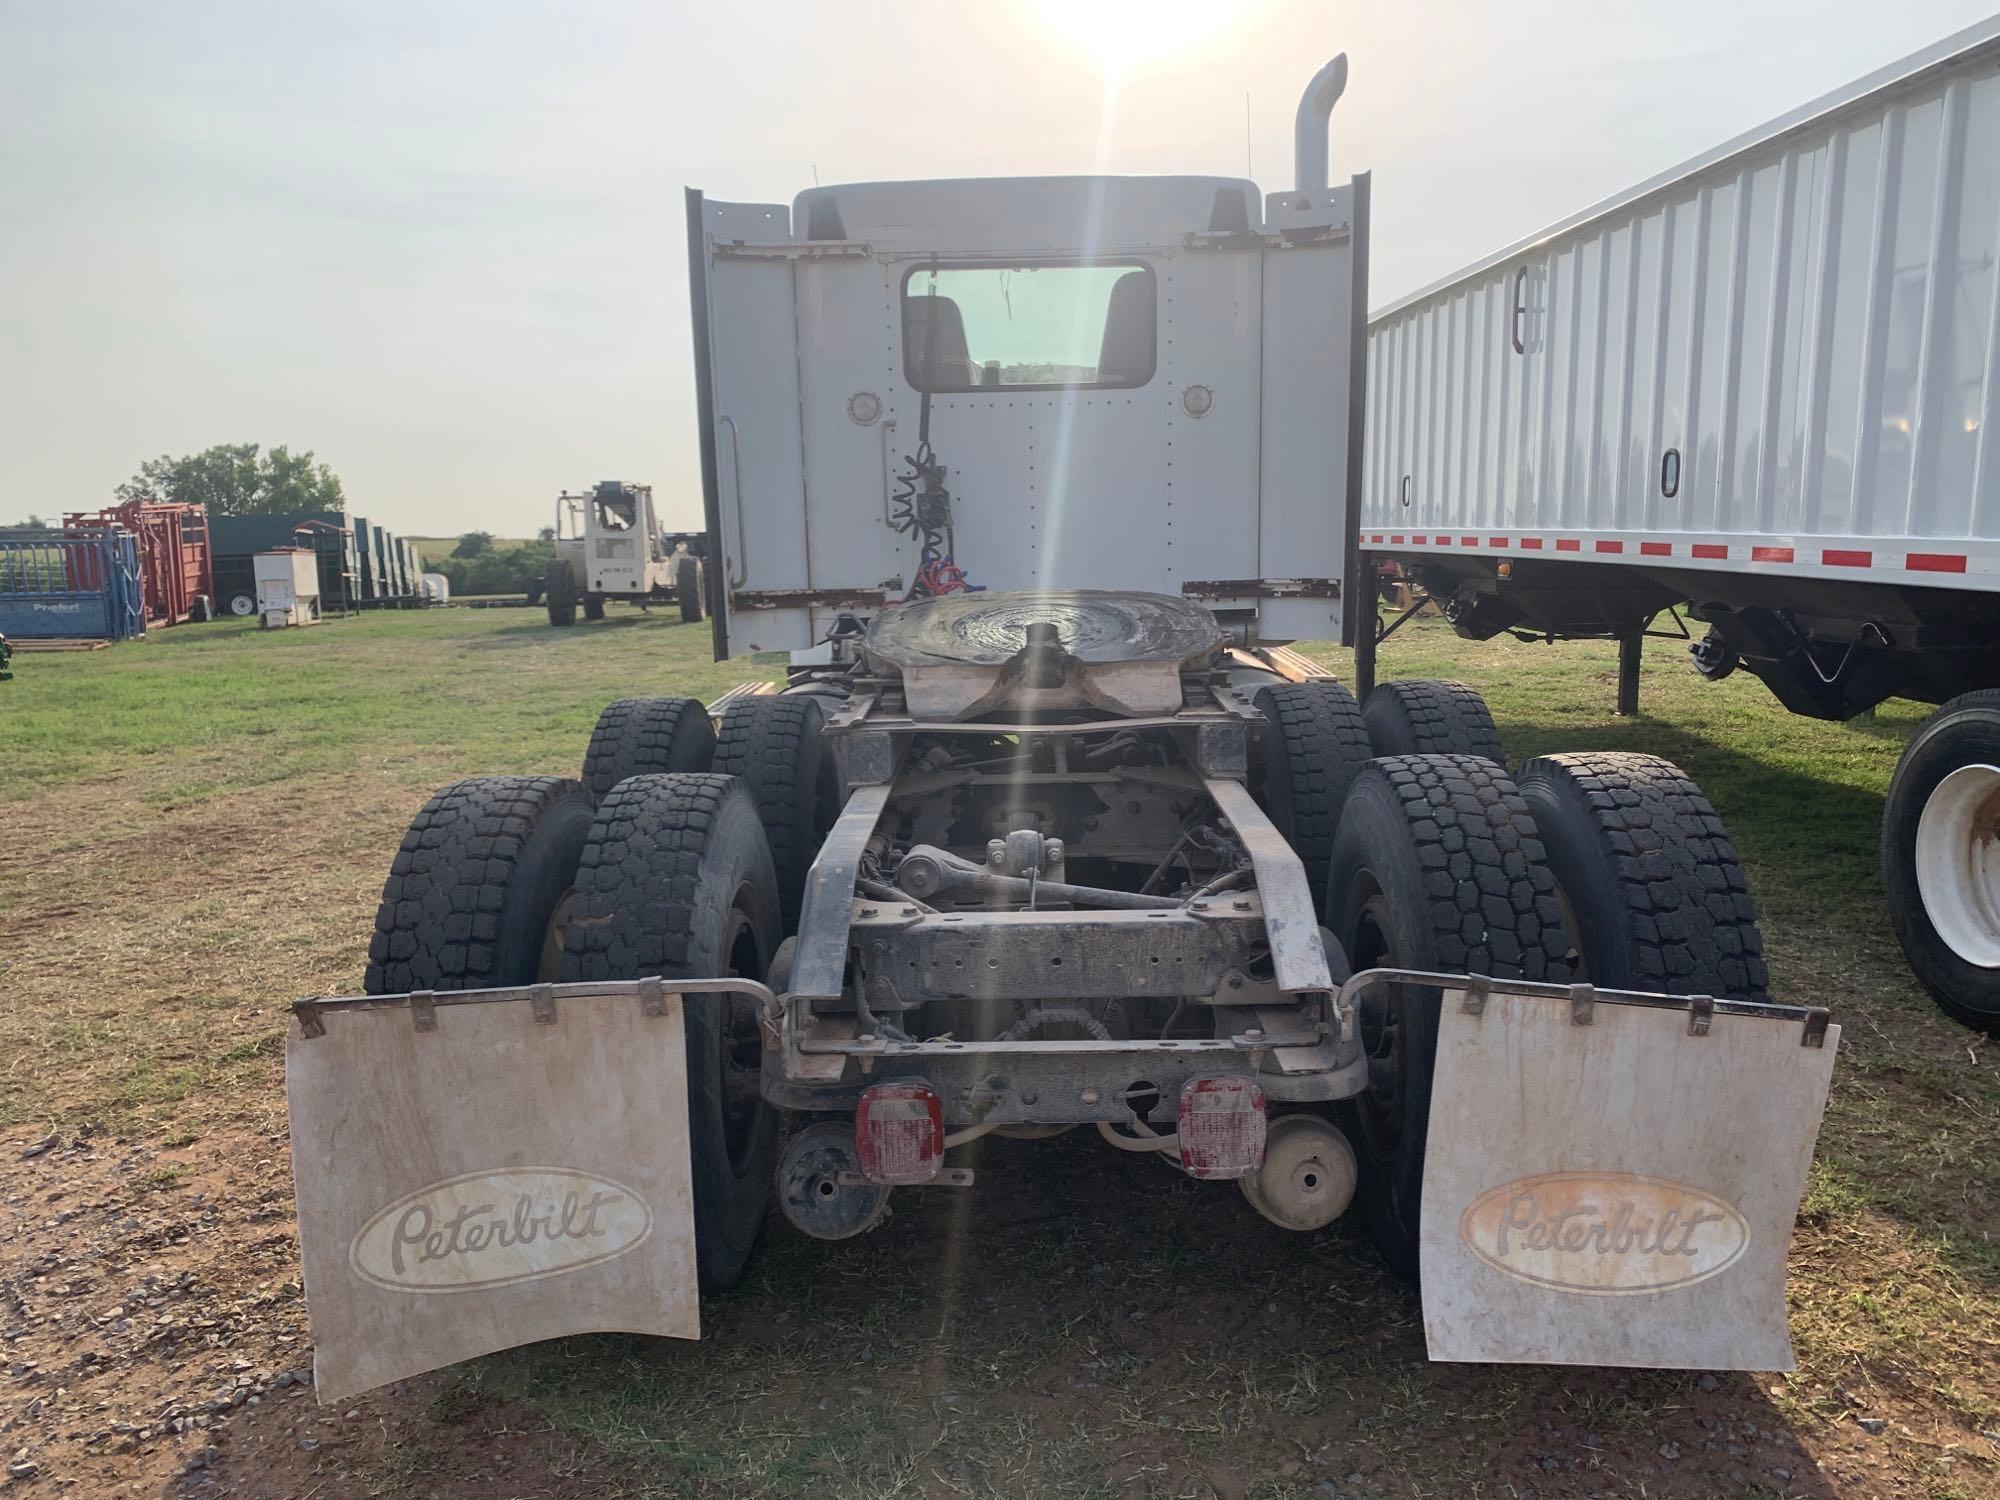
(201, 609)
(1431, 718)
(1655, 897)
(560, 593)
(1314, 745)
(593, 606)
(243, 605)
(687, 589)
(646, 736)
(1962, 735)
(1436, 865)
(774, 746)
(475, 896)
(676, 881)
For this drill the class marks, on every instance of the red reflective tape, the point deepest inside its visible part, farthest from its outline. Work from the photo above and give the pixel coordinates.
(1395, 541)
(1835, 558)
(1468, 541)
(1710, 549)
(1770, 554)
(1656, 549)
(1442, 541)
(1568, 544)
(1528, 543)
(1376, 538)
(1417, 541)
(1935, 562)
(1610, 546)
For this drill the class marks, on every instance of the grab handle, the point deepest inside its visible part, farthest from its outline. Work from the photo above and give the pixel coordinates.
(1520, 309)
(736, 578)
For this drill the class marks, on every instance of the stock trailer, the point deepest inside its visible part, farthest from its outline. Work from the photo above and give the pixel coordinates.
(1034, 481)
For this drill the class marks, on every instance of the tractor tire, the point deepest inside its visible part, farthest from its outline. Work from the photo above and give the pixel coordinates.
(644, 737)
(687, 590)
(560, 595)
(1315, 744)
(1436, 865)
(1654, 896)
(1431, 718)
(773, 745)
(477, 896)
(676, 880)
(1941, 861)
(593, 606)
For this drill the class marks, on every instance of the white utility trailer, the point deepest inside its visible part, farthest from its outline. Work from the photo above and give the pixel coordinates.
(1764, 386)
(1034, 480)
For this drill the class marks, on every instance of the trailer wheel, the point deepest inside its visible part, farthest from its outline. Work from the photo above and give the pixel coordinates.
(478, 894)
(560, 593)
(676, 880)
(593, 606)
(1653, 896)
(774, 746)
(687, 590)
(1431, 718)
(1941, 857)
(243, 605)
(1436, 865)
(646, 736)
(1315, 743)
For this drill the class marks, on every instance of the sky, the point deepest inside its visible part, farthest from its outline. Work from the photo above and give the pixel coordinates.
(442, 244)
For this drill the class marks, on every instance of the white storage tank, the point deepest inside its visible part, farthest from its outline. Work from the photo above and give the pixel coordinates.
(287, 587)
(436, 588)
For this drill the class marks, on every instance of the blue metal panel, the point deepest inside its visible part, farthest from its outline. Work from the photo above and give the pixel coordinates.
(81, 585)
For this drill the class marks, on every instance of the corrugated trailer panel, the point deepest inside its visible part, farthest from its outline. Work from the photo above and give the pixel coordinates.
(1783, 355)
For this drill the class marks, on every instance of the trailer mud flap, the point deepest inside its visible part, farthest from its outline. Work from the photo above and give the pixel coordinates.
(479, 1170)
(1613, 1179)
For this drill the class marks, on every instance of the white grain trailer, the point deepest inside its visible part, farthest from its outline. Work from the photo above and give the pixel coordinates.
(1764, 386)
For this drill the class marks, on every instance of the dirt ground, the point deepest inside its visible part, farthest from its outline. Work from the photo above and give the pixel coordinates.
(1081, 1323)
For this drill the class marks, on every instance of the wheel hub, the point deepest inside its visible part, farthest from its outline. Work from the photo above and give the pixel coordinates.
(1958, 863)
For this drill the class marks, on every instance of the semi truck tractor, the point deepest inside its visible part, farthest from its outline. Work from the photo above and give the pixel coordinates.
(1032, 482)
(1764, 387)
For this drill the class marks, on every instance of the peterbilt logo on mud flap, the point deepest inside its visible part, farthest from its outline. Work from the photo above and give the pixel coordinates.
(1604, 1233)
(492, 1229)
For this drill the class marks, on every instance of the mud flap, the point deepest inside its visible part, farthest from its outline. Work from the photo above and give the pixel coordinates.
(1613, 1180)
(479, 1170)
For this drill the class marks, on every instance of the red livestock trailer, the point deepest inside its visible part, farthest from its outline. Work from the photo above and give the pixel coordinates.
(176, 564)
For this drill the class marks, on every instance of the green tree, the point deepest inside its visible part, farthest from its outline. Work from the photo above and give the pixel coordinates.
(546, 534)
(473, 543)
(238, 479)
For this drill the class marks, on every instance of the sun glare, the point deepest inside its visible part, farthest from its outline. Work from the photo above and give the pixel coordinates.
(1124, 36)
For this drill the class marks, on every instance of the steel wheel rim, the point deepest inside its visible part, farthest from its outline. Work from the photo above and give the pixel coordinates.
(740, 1045)
(1958, 863)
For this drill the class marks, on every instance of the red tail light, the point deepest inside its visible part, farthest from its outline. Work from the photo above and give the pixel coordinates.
(899, 1133)
(1221, 1127)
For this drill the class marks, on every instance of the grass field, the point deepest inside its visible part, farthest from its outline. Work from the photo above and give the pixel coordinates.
(195, 830)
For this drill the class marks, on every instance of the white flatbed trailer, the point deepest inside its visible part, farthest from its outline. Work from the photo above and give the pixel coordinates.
(1765, 386)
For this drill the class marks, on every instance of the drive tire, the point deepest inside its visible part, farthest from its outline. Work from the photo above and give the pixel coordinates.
(593, 606)
(687, 590)
(560, 595)
(1314, 744)
(1650, 877)
(1431, 718)
(676, 881)
(644, 737)
(474, 895)
(1436, 865)
(1962, 735)
(775, 747)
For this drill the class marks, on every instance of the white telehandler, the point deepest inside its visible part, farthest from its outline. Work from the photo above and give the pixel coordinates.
(610, 545)
(1050, 828)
